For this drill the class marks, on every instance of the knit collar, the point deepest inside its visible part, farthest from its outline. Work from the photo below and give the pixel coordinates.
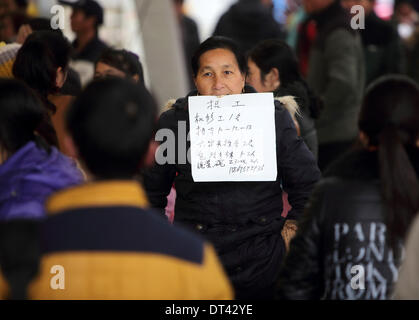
(98, 194)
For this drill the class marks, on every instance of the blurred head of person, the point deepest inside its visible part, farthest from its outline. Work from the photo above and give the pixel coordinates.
(34, 24)
(368, 5)
(273, 67)
(72, 84)
(272, 64)
(20, 114)
(407, 19)
(119, 63)
(219, 67)
(314, 6)
(403, 7)
(267, 3)
(42, 62)
(178, 7)
(87, 16)
(111, 125)
(389, 125)
(10, 24)
(42, 24)
(13, 5)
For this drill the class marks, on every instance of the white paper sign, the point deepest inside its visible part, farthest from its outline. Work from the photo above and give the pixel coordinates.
(233, 138)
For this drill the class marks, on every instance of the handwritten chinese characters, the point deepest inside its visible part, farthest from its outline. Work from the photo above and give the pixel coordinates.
(233, 138)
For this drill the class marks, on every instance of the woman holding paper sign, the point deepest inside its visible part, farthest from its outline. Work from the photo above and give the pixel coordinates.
(242, 219)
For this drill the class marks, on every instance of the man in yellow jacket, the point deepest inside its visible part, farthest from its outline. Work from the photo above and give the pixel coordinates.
(100, 240)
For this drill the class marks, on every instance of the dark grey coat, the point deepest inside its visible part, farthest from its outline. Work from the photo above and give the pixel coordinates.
(337, 74)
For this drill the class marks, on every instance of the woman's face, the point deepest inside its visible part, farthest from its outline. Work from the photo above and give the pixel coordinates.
(219, 74)
(254, 77)
(103, 70)
(7, 30)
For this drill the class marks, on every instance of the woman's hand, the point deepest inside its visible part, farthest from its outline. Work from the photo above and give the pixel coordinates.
(288, 232)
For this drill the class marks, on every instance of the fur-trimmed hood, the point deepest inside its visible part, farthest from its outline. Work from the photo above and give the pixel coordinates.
(291, 105)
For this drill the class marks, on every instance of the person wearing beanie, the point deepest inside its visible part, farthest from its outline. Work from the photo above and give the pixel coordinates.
(7, 58)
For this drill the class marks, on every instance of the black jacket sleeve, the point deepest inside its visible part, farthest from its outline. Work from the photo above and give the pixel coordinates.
(19, 255)
(301, 275)
(158, 180)
(297, 166)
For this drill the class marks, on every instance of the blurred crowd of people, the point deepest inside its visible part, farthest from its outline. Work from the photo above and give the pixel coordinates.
(80, 188)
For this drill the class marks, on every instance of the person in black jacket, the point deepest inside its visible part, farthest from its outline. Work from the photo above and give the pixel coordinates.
(242, 219)
(273, 67)
(349, 243)
(190, 36)
(86, 18)
(248, 22)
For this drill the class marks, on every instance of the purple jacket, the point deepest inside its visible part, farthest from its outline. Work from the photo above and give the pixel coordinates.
(29, 177)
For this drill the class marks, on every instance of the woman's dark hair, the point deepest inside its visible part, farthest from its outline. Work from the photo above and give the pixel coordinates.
(112, 123)
(37, 62)
(218, 42)
(123, 60)
(278, 54)
(20, 114)
(42, 24)
(390, 119)
(23, 4)
(72, 85)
